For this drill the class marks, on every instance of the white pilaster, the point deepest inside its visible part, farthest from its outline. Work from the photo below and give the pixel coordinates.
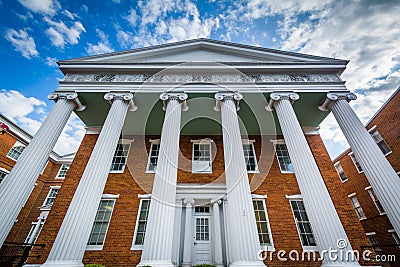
(326, 225)
(218, 261)
(157, 247)
(244, 243)
(69, 247)
(15, 190)
(188, 241)
(381, 175)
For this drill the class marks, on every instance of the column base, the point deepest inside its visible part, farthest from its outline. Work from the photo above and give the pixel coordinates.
(63, 264)
(247, 263)
(156, 263)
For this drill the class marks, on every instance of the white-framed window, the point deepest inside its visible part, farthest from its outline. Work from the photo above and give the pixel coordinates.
(16, 150)
(250, 156)
(120, 156)
(32, 239)
(303, 225)
(375, 200)
(356, 162)
(395, 236)
(101, 222)
(374, 242)
(51, 196)
(379, 141)
(357, 207)
(263, 226)
(340, 172)
(282, 154)
(3, 174)
(62, 172)
(141, 223)
(201, 157)
(153, 156)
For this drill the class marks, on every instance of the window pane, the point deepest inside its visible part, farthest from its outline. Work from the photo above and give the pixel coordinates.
(261, 221)
(303, 223)
(101, 222)
(142, 222)
(284, 160)
(119, 159)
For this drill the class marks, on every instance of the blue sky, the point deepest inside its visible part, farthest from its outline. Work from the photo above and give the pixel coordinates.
(37, 33)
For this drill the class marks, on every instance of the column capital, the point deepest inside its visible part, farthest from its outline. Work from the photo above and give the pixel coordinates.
(70, 96)
(221, 97)
(274, 97)
(180, 97)
(124, 96)
(188, 200)
(334, 96)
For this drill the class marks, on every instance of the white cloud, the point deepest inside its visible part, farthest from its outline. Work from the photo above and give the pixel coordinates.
(132, 17)
(47, 7)
(51, 61)
(26, 17)
(60, 34)
(70, 15)
(29, 114)
(103, 46)
(125, 39)
(22, 42)
(19, 113)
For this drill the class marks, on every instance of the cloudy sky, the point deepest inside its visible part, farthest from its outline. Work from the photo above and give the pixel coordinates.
(37, 33)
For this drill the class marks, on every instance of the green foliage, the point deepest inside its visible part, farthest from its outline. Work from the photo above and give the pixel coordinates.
(204, 265)
(94, 265)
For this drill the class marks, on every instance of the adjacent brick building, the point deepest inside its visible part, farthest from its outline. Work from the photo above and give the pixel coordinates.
(384, 127)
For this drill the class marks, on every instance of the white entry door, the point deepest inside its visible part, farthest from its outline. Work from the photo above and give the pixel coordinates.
(202, 236)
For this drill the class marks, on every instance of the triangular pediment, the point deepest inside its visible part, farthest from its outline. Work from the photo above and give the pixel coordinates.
(200, 50)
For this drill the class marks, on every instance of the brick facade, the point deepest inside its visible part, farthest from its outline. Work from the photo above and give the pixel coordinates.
(387, 124)
(134, 180)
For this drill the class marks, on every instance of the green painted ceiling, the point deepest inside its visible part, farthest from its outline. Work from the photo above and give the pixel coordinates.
(201, 119)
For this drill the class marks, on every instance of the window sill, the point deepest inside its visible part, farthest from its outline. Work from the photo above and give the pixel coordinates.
(12, 158)
(267, 248)
(253, 172)
(387, 154)
(137, 247)
(287, 172)
(310, 248)
(149, 171)
(94, 247)
(362, 219)
(343, 181)
(383, 213)
(201, 172)
(121, 171)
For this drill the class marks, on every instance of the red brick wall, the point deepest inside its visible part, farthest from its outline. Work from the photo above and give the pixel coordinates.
(270, 181)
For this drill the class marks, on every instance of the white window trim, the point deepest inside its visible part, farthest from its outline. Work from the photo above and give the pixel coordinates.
(305, 248)
(338, 163)
(352, 153)
(352, 195)
(100, 247)
(33, 225)
(15, 144)
(155, 142)
(270, 248)
(206, 141)
(367, 189)
(141, 197)
(374, 127)
(251, 142)
(393, 232)
(124, 142)
(280, 142)
(6, 171)
(59, 170)
(48, 194)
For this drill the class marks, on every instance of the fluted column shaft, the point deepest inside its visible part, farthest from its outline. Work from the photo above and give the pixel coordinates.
(69, 247)
(157, 247)
(188, 241)
(381, 175)
(241, 219)
(218, 261)
(15, 190)
(322, 214)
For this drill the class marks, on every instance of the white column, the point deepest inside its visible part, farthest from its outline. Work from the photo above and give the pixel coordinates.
(327, 227)
(188, 241)
(244, 243)
(218, 261)
(35, 230)
(15, 190)
(380, 174)
(69, 247)
(157, 247)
